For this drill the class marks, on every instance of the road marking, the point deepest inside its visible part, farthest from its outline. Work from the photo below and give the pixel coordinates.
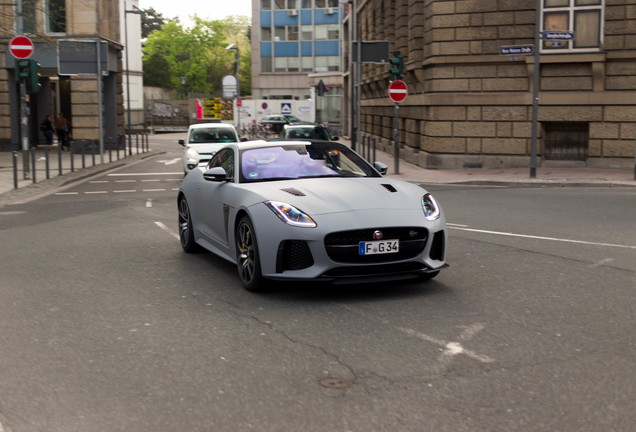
(169, 161)
(151, 180)
(95, 192)
(149, 202)
(98, 181)
(507, 234)
(125, 181)
(142, 174)
(66, 193)
(153, 190)
(168, 230)
(125, 191)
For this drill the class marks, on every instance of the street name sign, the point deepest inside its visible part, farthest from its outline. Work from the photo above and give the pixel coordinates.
(21, 47)
(514, 50)
(557, 35)
(398, 91)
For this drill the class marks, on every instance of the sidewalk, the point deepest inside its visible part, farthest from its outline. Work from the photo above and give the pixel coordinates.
(572, 177)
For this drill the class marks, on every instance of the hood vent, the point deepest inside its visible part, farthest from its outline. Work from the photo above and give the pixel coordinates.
(389, 187)
(293, 191)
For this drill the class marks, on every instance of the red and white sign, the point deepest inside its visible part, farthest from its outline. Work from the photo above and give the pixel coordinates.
(21, 47)
(398, 91)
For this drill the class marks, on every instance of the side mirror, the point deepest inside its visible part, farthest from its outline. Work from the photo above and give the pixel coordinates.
(381, 168)
(333, 138)
(243, 139)
(182, 142)
(216, 174)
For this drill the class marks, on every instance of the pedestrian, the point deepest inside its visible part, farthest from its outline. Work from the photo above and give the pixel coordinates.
(62, 127)
(47, 129)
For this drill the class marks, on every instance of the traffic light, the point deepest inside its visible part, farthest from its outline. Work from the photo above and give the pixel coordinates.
(397, 66)
(29, 70)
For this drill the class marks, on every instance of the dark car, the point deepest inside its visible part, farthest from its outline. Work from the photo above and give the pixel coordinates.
(277, 121)
(307, 131)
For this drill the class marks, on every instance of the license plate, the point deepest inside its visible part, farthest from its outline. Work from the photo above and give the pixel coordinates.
(379, 247)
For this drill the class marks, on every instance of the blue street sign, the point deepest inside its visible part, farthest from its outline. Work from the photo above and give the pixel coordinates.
(557, 35)
(516, 50)
(285, 108)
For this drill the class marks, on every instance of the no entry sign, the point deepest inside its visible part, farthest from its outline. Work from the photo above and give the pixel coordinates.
(21, 47)
(398, 91)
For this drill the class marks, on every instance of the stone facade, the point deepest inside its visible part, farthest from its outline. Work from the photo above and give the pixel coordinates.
(468, 103)
(75, 96)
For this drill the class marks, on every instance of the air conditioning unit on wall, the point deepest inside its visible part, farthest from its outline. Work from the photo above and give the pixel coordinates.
(330, 11)
(292, 12)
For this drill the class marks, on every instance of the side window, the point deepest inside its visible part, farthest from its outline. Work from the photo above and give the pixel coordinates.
(225, 160)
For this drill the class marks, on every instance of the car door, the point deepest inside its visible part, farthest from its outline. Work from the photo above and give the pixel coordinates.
(214, 195)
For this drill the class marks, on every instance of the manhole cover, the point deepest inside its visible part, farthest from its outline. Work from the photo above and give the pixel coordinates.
(336, 383)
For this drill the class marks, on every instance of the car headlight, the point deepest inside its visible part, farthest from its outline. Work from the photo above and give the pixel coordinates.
(430, 207)
(290, 214)
(192, 152)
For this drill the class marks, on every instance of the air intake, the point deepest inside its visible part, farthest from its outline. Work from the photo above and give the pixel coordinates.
(293, 191)
(389, 187)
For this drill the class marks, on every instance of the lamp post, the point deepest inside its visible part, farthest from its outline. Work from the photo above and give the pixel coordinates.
(238, 86)
(135, 11)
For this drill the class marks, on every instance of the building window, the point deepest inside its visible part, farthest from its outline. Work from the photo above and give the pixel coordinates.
(279, 4)
(292, 33)
(29, 21)
(321, 3)
(280, 34)
(55, 16)
(306, 4)
(266, 64)
(266, 4)
(292, 4)
(266, 34)
(307, 64)
(582, 17)
(333, 3)
(307, 32)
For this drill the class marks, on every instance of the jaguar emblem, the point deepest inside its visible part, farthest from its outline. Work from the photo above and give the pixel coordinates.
(377, 235)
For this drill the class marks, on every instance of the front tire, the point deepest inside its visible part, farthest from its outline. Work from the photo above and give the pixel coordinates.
(186, 233)
(247, 257)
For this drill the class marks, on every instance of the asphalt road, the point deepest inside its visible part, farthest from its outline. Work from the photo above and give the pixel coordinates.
(106, 325)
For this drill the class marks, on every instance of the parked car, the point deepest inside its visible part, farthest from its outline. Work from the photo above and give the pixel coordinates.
(276, 122)
(203, 140)
(311, 131)
(298, 210)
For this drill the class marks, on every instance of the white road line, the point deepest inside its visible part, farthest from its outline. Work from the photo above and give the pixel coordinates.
(166, 229)
(67, 193)
(507, 234)
(98, 181)
(95, 192)
(149, 202)
(142, 174)
(153, 190)
(125, 191)
(151, 180)
(125, 181)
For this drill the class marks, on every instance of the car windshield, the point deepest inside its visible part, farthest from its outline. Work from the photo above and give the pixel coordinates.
(302, 161)
(212, 135)
(309, 132)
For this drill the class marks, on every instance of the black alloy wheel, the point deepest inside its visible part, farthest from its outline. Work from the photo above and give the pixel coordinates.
(247, 256)
(186, 234)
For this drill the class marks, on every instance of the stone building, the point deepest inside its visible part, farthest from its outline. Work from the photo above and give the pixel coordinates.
(469, 105)
(75, 27)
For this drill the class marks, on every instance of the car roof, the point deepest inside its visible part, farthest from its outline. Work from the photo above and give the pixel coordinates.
(248, 145)
(210, 125)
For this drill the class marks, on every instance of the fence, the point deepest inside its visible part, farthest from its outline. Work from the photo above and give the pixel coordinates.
(38, 163)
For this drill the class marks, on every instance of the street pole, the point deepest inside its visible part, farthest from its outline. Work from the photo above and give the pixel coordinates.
(24, 121)
(396, 136)
(354, 74)
(535, 91)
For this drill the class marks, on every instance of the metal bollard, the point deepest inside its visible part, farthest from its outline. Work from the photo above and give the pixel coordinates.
(83, 156)
(33, 164)
(15, 169)
(137, 142)
(46, 159)
(59, 159)
(70, 152)
(93, 152)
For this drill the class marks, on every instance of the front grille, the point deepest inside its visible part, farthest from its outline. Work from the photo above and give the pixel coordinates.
(293, 255)
(438, 247)
(376, 270)
(344, 246)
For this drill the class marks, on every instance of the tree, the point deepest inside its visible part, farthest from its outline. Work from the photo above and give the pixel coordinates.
(197, 53)
(152, 20)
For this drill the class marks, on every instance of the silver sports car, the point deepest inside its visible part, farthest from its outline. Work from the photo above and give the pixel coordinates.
(287, 210)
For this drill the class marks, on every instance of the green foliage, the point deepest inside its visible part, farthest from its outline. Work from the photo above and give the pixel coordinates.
(152, 20)
(197, 53)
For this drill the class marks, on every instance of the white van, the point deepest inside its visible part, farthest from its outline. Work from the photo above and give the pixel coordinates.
(203, 141)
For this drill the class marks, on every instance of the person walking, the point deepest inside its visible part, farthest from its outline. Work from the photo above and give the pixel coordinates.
(47, 129)
(62, 129)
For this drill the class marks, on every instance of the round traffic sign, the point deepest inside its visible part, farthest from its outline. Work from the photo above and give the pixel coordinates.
(398, 91)
(21, 47)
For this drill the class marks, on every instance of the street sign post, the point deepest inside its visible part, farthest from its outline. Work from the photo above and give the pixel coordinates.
(398, 91)
(21, 47)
